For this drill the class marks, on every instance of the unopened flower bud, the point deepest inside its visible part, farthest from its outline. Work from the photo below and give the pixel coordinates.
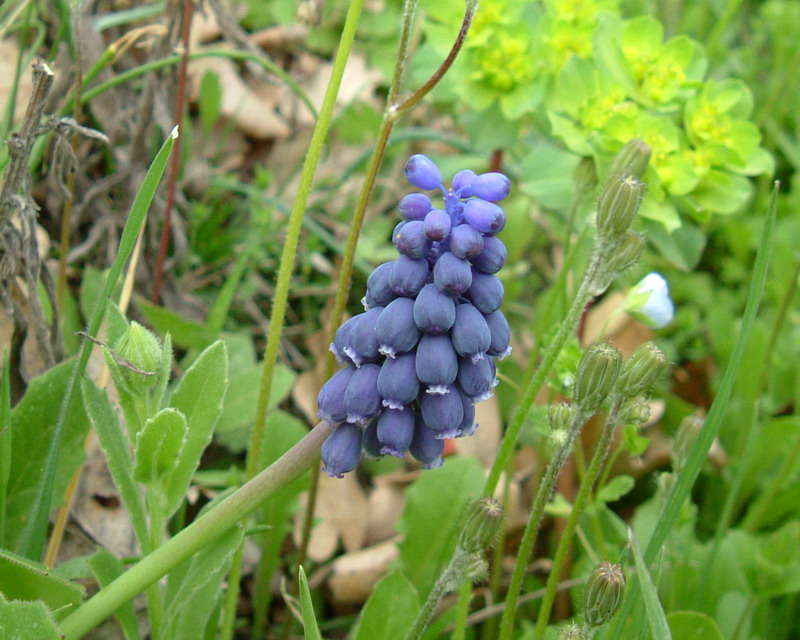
(140, 356)
(635, 411)
(585, 176)
(627, 253)
(687, 434)
(482, 525)
(632, 159)
(571, 632)
(560, 416)
(603, 594)
(597, 373)
(640, 370)
(618, 204)
(421, 171)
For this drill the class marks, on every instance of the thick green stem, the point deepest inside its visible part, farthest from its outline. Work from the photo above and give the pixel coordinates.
(565, 329)
(462, 609)
(201, 532)
(543, 495)
(589, 479)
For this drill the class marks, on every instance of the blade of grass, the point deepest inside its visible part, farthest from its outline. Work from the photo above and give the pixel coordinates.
(655, 612)
(697, 455)
(5, 438)
(31, 542)
(310, 628)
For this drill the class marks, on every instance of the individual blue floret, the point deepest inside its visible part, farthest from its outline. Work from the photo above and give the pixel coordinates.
(362, 343)
(485, 292)
(491, 186)
(341, 451)
(395, 431)
(415, 206)
(330, 400)
(361, 399)
(462, 182)
(395, 329)
(500, 333)
(411, 240)
(452, 275)
(379, 293)
(437, 225)
(421, 171)
(492, 256)
(466, 241)
(468, 424)
(436, 363)
(409, 276)
(425, 446)
(340, 340)
(370, 443)
(442, 412)
(398, 384)
(485, 216)
(476, 379)
(434, 310)
(470, 334)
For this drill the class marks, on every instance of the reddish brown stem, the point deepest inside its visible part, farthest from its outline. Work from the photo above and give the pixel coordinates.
(174, 161)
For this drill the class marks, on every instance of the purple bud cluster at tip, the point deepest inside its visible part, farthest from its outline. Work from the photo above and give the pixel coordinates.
(423, 352)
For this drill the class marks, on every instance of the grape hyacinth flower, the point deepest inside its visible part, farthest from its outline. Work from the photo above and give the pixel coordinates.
(423, 352)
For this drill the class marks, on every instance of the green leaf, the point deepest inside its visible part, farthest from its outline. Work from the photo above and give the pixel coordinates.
(116, 449)
(615, 489)
(434, 502)
(107, 568)
(209, 102)
(656, 619)
(721, 192)
(116, 324)
(551, 173)
(159, 445)
(693, 625)
(683, 247)
(23, 579)
(310, 628)
(194, 587)
(33, 421)
(199, 397)
(390, 611)
(27, 621)
(185, 333)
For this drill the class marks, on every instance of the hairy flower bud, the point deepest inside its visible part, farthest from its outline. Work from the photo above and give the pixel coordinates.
(560, 416)
(617, 205)
(632, 158)
(597, 373)
(421, 171)
(635, 411)
(482, 525)
(640, 370)
(571, 632)
(627, 253)
(341, 451)
(585, 176)
(603, 594)
(142, 350)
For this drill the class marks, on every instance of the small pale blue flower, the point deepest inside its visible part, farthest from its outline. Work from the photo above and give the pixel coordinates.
(649, 301)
